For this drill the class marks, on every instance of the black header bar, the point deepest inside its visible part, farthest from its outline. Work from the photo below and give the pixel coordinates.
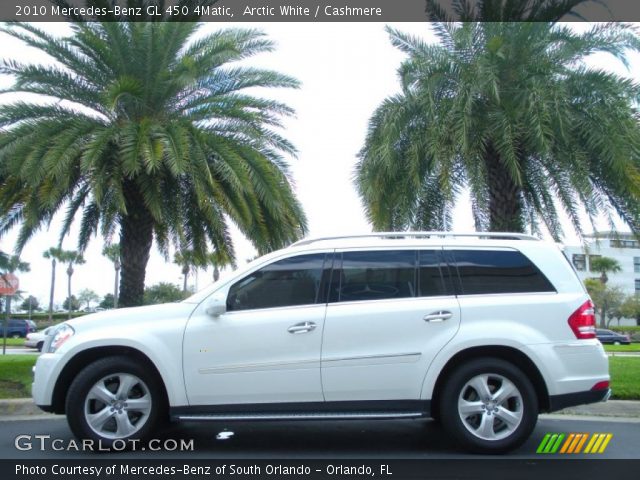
(313, 10)
(494, 468)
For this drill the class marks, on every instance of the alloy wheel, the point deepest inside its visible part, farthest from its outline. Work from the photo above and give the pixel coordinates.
(117, 406)
(490, 406)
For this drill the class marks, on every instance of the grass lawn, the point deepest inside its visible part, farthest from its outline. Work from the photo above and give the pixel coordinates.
(634, 347)
(12, 342)
(625, 377)
(15, 375)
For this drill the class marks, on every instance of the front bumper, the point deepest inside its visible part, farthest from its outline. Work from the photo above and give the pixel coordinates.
(45, 374)
(558, 402)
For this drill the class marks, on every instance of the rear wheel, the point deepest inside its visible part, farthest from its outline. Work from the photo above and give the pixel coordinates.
(115, 399)
(39, 346)
(489, 406)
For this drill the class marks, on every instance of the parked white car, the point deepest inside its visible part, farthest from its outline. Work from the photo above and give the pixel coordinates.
(36, 339)
(480, 331)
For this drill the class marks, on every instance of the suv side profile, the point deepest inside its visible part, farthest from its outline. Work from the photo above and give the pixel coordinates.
(19, 328)
(481, 332)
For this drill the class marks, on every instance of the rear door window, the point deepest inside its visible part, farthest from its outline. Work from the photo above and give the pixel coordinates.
(374, 275)
(430, 266)
(498, 271)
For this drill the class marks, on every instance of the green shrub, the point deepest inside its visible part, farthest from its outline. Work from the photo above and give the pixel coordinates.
(628, 330)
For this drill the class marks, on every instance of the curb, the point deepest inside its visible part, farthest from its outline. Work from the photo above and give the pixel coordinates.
(19, 406)
(613, 408)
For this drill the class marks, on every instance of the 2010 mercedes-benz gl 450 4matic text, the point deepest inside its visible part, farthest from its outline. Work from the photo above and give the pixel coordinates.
(481, 332)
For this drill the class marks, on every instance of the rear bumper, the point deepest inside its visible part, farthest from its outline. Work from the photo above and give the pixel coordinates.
(558, 402)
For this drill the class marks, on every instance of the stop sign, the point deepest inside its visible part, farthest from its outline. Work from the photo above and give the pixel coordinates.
(8, 284)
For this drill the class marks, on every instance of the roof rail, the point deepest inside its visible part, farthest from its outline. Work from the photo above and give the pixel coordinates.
(399, 235)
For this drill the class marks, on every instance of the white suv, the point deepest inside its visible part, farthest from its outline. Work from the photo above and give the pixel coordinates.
(479, 331)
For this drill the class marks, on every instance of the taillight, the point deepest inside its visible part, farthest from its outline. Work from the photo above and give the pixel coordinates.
(583, 321)
(601, 385)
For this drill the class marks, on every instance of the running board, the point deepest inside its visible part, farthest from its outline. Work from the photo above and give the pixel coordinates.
(297, 416)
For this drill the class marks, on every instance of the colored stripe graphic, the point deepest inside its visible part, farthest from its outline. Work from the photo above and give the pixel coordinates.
(550, 443)
(604, 445)
(565, 447)
(581, 443)
(543, 443)
(573, 443)
(598, 443)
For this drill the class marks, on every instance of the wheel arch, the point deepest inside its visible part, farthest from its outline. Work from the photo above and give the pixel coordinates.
(85, 357)
(509, 354)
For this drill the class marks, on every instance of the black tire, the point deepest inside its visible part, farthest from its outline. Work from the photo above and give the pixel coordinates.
(97, 371)
(526, 404)
(39, 346)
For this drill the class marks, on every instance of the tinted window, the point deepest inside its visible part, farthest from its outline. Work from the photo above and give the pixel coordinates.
(375, 276)
(288, 282)
(484, 271)
(430, 282)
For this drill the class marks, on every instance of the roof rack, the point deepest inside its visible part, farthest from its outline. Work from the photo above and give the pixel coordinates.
(401, 235)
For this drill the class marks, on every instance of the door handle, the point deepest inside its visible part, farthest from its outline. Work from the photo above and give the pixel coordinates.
(303, 327)
(440, 316)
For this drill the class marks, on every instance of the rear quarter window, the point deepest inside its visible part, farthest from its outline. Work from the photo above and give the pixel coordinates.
(498, 271)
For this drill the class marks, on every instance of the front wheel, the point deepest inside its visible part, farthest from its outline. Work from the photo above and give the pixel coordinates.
(114, 399)
(489, 406)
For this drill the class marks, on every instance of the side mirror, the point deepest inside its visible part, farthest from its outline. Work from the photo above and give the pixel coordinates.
(217, 305)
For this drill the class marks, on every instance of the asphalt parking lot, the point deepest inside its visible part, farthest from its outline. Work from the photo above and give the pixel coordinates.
(404, 439)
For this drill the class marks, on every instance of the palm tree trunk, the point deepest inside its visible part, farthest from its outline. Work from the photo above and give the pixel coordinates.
(216, 273)
(53, 286)
(115, 288)
(69, 302)
(136, 237)
(505, 197)
(185, 273)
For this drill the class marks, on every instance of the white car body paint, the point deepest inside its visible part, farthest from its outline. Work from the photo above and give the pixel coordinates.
(363, 350)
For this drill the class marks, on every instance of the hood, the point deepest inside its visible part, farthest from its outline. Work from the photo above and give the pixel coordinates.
(127, 316)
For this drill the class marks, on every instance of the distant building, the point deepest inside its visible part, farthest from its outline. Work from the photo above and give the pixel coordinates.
(623, 247)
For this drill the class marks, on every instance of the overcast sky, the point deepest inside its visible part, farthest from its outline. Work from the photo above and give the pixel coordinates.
(346, 70)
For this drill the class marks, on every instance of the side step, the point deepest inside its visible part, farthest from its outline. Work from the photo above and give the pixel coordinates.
(296, 416)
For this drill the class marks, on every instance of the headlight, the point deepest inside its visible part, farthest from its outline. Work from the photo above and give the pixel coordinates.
(63, 333)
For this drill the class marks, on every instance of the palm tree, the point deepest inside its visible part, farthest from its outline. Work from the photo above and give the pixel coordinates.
(54, 254)
(218, 259)
(112, 252)
(510, 111)
(603, 266)
(185, 259)
(71, 258)
(147, 131)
